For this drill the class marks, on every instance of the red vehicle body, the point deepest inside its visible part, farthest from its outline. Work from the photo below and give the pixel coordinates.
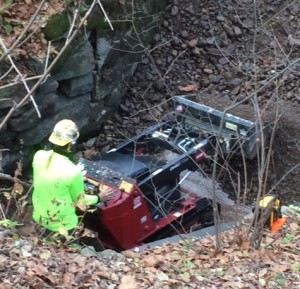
(150, 201)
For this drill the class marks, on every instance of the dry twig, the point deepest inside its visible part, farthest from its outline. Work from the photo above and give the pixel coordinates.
(13, 179)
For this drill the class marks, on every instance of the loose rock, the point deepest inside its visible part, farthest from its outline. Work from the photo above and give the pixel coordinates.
(174, 10)
(184, 34)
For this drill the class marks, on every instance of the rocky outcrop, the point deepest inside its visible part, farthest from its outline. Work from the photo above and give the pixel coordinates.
(86, 84)
(207, 46)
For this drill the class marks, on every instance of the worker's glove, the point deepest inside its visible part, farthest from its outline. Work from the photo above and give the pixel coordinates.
(106, 194)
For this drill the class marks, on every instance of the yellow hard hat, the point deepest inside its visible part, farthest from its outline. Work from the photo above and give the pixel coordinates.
(64, 132)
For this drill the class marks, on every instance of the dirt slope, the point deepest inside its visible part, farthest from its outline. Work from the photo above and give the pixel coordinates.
(228, 52)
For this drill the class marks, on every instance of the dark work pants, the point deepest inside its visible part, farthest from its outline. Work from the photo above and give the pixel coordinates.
(48, 234)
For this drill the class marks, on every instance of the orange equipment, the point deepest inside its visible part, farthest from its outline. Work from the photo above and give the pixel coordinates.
(270, 211)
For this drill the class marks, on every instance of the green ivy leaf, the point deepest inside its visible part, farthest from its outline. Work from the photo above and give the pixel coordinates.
(8, 224)
(189, 264)
(287, 239)
(45, 255)
(8, 28)
(262, 281)
(83, 9)
(295, 267)
(186, 276)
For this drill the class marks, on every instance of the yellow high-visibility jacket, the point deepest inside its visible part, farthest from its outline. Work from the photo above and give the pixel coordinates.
(58, 184)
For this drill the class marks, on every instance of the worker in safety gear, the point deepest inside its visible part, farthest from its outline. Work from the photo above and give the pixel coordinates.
(58, 183)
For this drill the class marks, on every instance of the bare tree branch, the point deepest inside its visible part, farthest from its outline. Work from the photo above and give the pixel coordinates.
(47, 71)
(22, 78)
(13, 179)
(33, 18)
(105, 15)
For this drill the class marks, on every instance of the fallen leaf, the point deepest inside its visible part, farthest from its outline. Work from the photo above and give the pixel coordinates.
(25, 253)
(176, 256)
(198, 276)
(45, 255)
(295, 267)
(262, 282)
(186, 276)
(151, 261)
(159, 251)
(204, 257)
(104, 275)
(235, 284)
(67, 280)
(18, 188)
(189, 264)
(126, 268)
(26, 13)
(294, 226)
(128, 282)
(7, 195)
(262, 272)
(245, 245)
(152, 270)
(280, 268)
(162, 276)
(189, 88)
(3, 259)
(130, 254)
(4, 286)
(173, 281)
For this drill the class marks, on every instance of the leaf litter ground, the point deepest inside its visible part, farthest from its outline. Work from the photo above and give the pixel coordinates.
(189, 263)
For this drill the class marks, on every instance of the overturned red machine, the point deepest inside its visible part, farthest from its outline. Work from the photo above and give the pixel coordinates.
(151, 202)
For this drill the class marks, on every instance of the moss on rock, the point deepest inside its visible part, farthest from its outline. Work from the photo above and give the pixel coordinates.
(56, 27)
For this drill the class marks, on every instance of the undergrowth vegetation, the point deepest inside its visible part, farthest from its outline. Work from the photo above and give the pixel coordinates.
(191, 261)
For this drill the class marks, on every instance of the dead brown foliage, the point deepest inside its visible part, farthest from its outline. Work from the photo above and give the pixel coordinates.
(186, 264)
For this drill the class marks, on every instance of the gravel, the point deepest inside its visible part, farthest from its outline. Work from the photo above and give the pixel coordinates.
(229, 50)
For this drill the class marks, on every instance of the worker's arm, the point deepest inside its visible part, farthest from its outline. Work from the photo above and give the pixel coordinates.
(105, 195)
(89, 199)
(105, 192)
(77, 191)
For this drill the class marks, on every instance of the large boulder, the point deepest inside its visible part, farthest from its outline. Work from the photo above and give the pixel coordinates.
(86, 84)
